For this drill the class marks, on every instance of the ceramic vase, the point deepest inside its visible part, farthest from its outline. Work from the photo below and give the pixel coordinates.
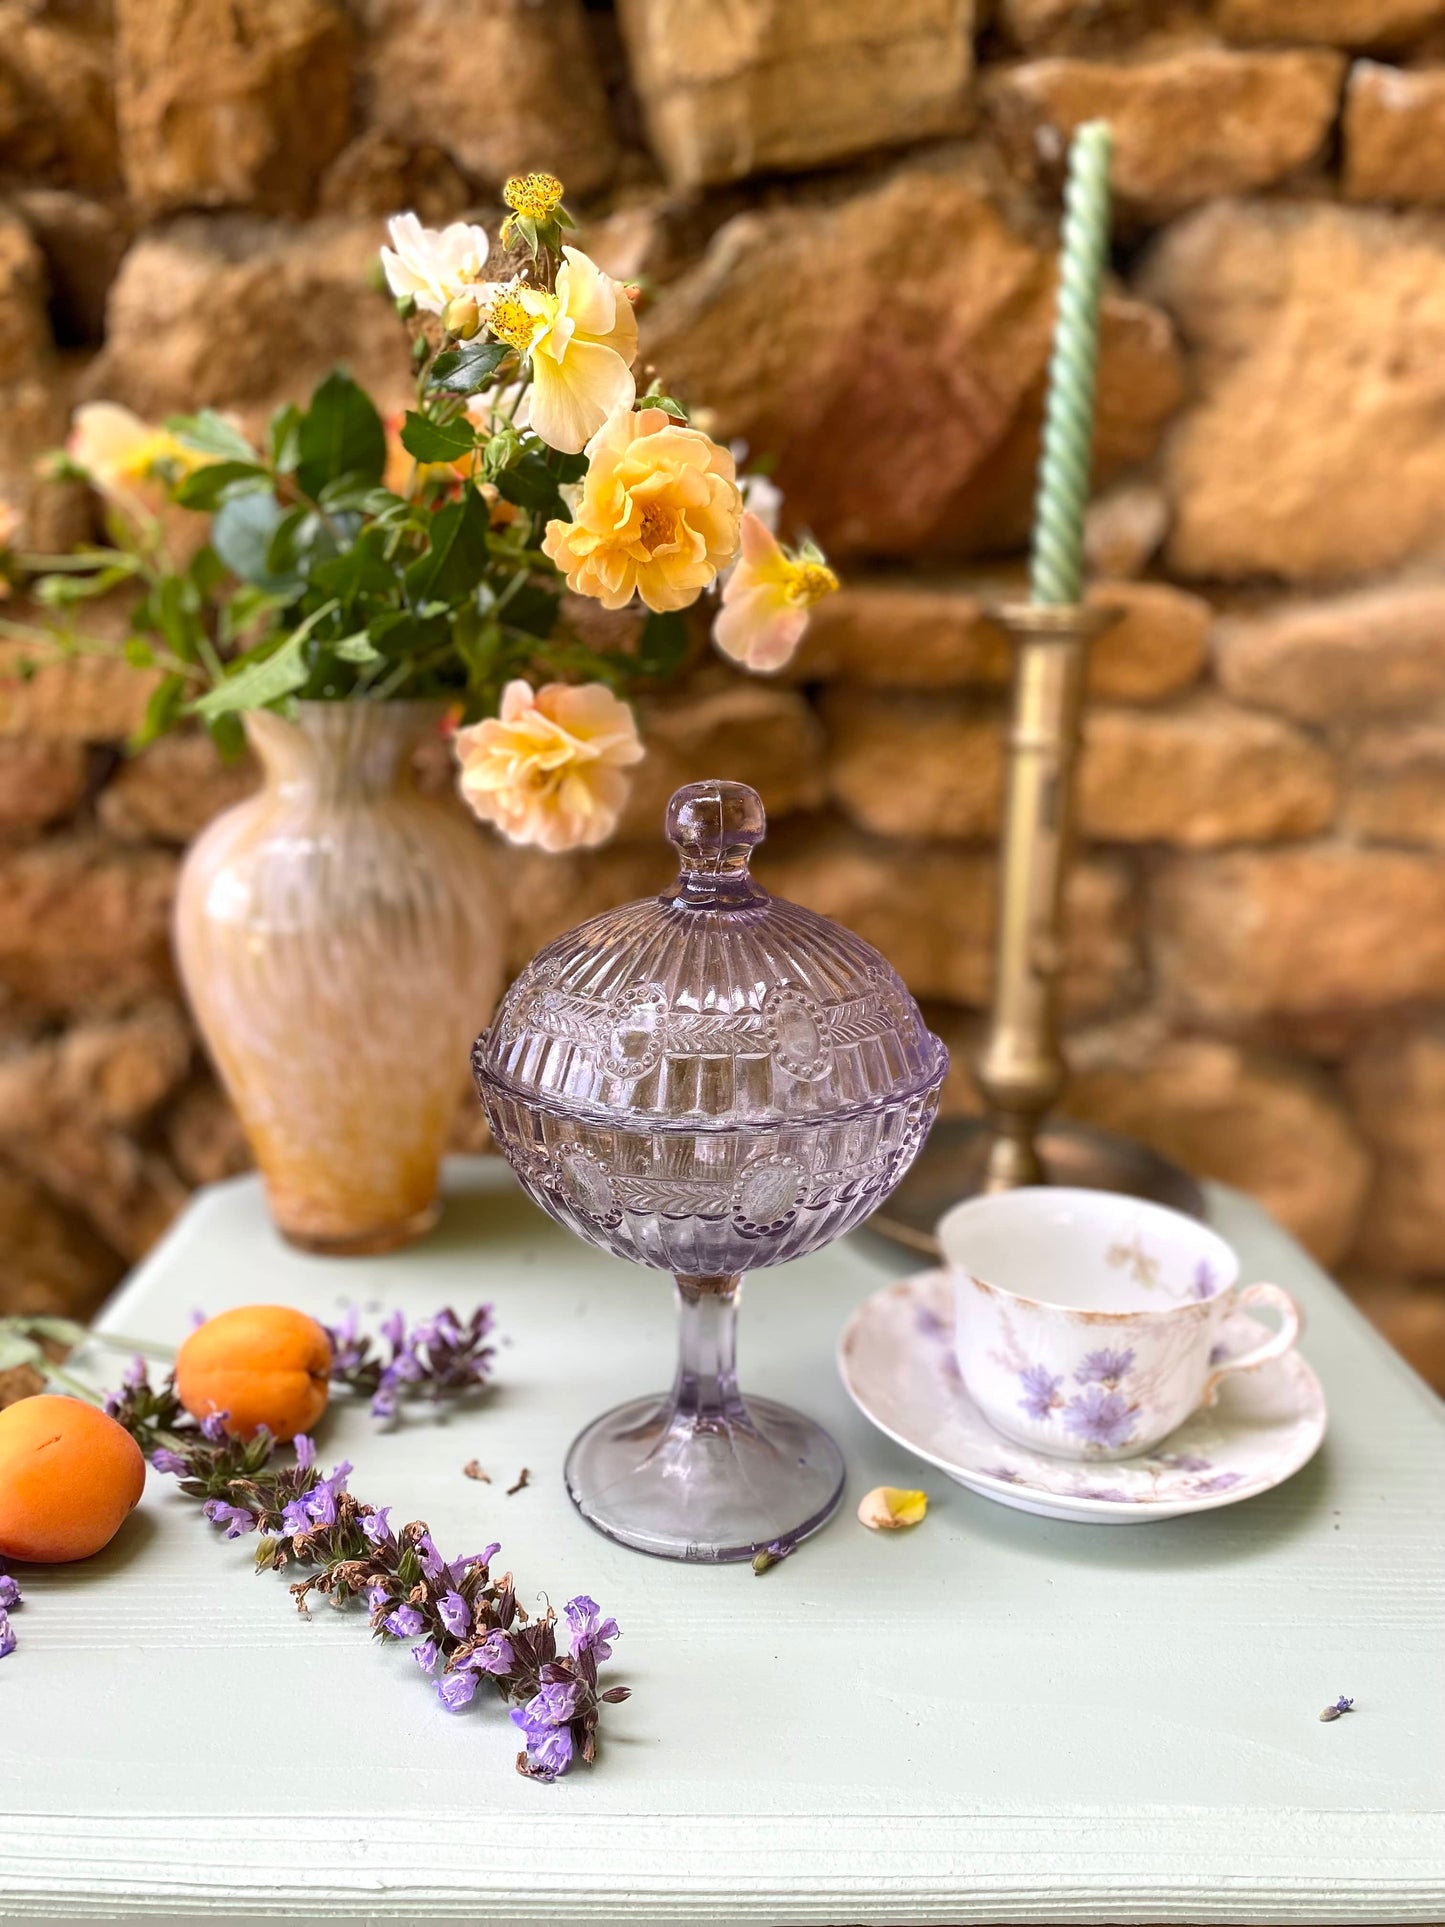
(340, 937)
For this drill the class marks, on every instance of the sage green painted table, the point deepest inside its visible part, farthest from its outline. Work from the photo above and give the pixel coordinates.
(993, 1718)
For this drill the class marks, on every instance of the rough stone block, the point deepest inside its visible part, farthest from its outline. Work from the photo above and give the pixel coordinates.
(504, 85)
(1396, 785)
(1397, 1082)
(1188, 125)
(1245, 1117)
(924, 439)
(914, 765)
(227, 309)
(1200, 774)
(230, 103)
(171, 790)
(1394, 134)
(1323, 931)
(880, 888)
(748, 88)
(1310, 451)
(1335, 23)
(1380, 652)
(767, 737)
(85, 925)
(40, 783)
(57, 97)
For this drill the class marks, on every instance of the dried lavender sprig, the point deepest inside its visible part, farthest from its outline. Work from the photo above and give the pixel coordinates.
(440, 1357)
(9, 1599)
(468, 1627)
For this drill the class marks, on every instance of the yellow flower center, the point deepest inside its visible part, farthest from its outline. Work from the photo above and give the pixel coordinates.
(657, 527)
(510, 321)
(809, 582)
(534, 195)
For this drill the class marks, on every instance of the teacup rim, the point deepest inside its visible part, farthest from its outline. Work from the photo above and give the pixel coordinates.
(1064, 1193)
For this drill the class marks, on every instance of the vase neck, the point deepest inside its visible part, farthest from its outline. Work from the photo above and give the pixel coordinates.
(341, 751)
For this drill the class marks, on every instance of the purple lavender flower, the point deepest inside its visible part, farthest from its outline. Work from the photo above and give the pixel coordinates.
(377, 1596)
(1103, 1367)
(9, 1592)
(406, 1622)
(1041, 1391)
(591, 1633)
(7, 1636)
(432, 1563)
(375, 1525)
(456, 1614)
(496, 1654)
(426, 1655)
(164, 1460)
(549, 1747)
(383, 1406)
(235, 1518)
(305, 1450)
(1099, 1417)
(456, 1689)
(134, 1375)
(557, 1700)
(213, 1427)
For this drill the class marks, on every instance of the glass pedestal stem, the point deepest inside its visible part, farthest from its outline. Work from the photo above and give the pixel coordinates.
(705, 1390)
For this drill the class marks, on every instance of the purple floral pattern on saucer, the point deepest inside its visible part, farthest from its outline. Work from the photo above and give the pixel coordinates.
(897, 1362)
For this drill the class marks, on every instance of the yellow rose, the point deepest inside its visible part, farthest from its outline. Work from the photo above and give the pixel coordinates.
(547, 769)
(766, 600)
(579, 339)
(121, 454)
(657, 516)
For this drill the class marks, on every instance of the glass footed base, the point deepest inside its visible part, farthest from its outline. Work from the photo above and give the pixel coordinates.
(714, 1487)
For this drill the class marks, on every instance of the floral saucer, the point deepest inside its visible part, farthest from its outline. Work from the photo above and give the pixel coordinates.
(896, 1358)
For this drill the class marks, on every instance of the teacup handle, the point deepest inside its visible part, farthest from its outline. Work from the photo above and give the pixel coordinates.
(1291, 1324)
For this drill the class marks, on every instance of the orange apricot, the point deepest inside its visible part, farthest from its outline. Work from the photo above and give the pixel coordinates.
(69, 1475)
(262, 1365)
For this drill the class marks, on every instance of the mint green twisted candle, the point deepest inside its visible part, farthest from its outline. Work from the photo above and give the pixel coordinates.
(1056, 567)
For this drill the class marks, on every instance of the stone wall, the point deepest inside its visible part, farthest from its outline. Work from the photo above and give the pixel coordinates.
(845, 217)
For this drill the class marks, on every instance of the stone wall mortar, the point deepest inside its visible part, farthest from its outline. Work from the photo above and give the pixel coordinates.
(847, 240)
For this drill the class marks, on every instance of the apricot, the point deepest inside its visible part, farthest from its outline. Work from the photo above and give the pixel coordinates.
(261, 1364)
(69, 1475)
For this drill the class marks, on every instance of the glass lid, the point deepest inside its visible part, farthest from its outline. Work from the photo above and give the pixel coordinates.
(714, 1005)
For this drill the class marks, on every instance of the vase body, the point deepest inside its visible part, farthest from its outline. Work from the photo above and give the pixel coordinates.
(340, 938)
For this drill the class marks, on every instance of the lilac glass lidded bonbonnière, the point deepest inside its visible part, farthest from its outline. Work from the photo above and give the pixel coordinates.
(708, 1082)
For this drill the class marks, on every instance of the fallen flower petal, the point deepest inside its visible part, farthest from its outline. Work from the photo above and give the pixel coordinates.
(887, 1507)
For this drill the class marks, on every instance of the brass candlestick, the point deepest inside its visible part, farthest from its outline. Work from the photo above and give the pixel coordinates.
(1021, 1069)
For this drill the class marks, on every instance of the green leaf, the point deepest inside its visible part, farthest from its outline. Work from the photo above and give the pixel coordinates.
(17, 1350)
(283, 438)
(457, 556)
(662, 646)
(205, 487)
(242, 534)
(404, 634)
(340, 434)
(566, 468)
(358, 571)
(461, 371)
(209, 434)
(431, 441)
(530, 484)
(60, 591)
(532, 609)
(357, 648)
(163, 711)
(257, 683)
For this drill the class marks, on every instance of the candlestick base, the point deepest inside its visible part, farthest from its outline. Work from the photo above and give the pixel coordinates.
(953, 1164)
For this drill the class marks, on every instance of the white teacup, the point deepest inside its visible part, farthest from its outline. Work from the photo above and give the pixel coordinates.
(1088, 1323)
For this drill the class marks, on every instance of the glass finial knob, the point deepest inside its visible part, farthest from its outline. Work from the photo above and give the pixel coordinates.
(716, 826)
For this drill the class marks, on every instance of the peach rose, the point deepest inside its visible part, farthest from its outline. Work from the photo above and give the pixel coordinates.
(657, 515)
(767, 598)
(547, 769)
